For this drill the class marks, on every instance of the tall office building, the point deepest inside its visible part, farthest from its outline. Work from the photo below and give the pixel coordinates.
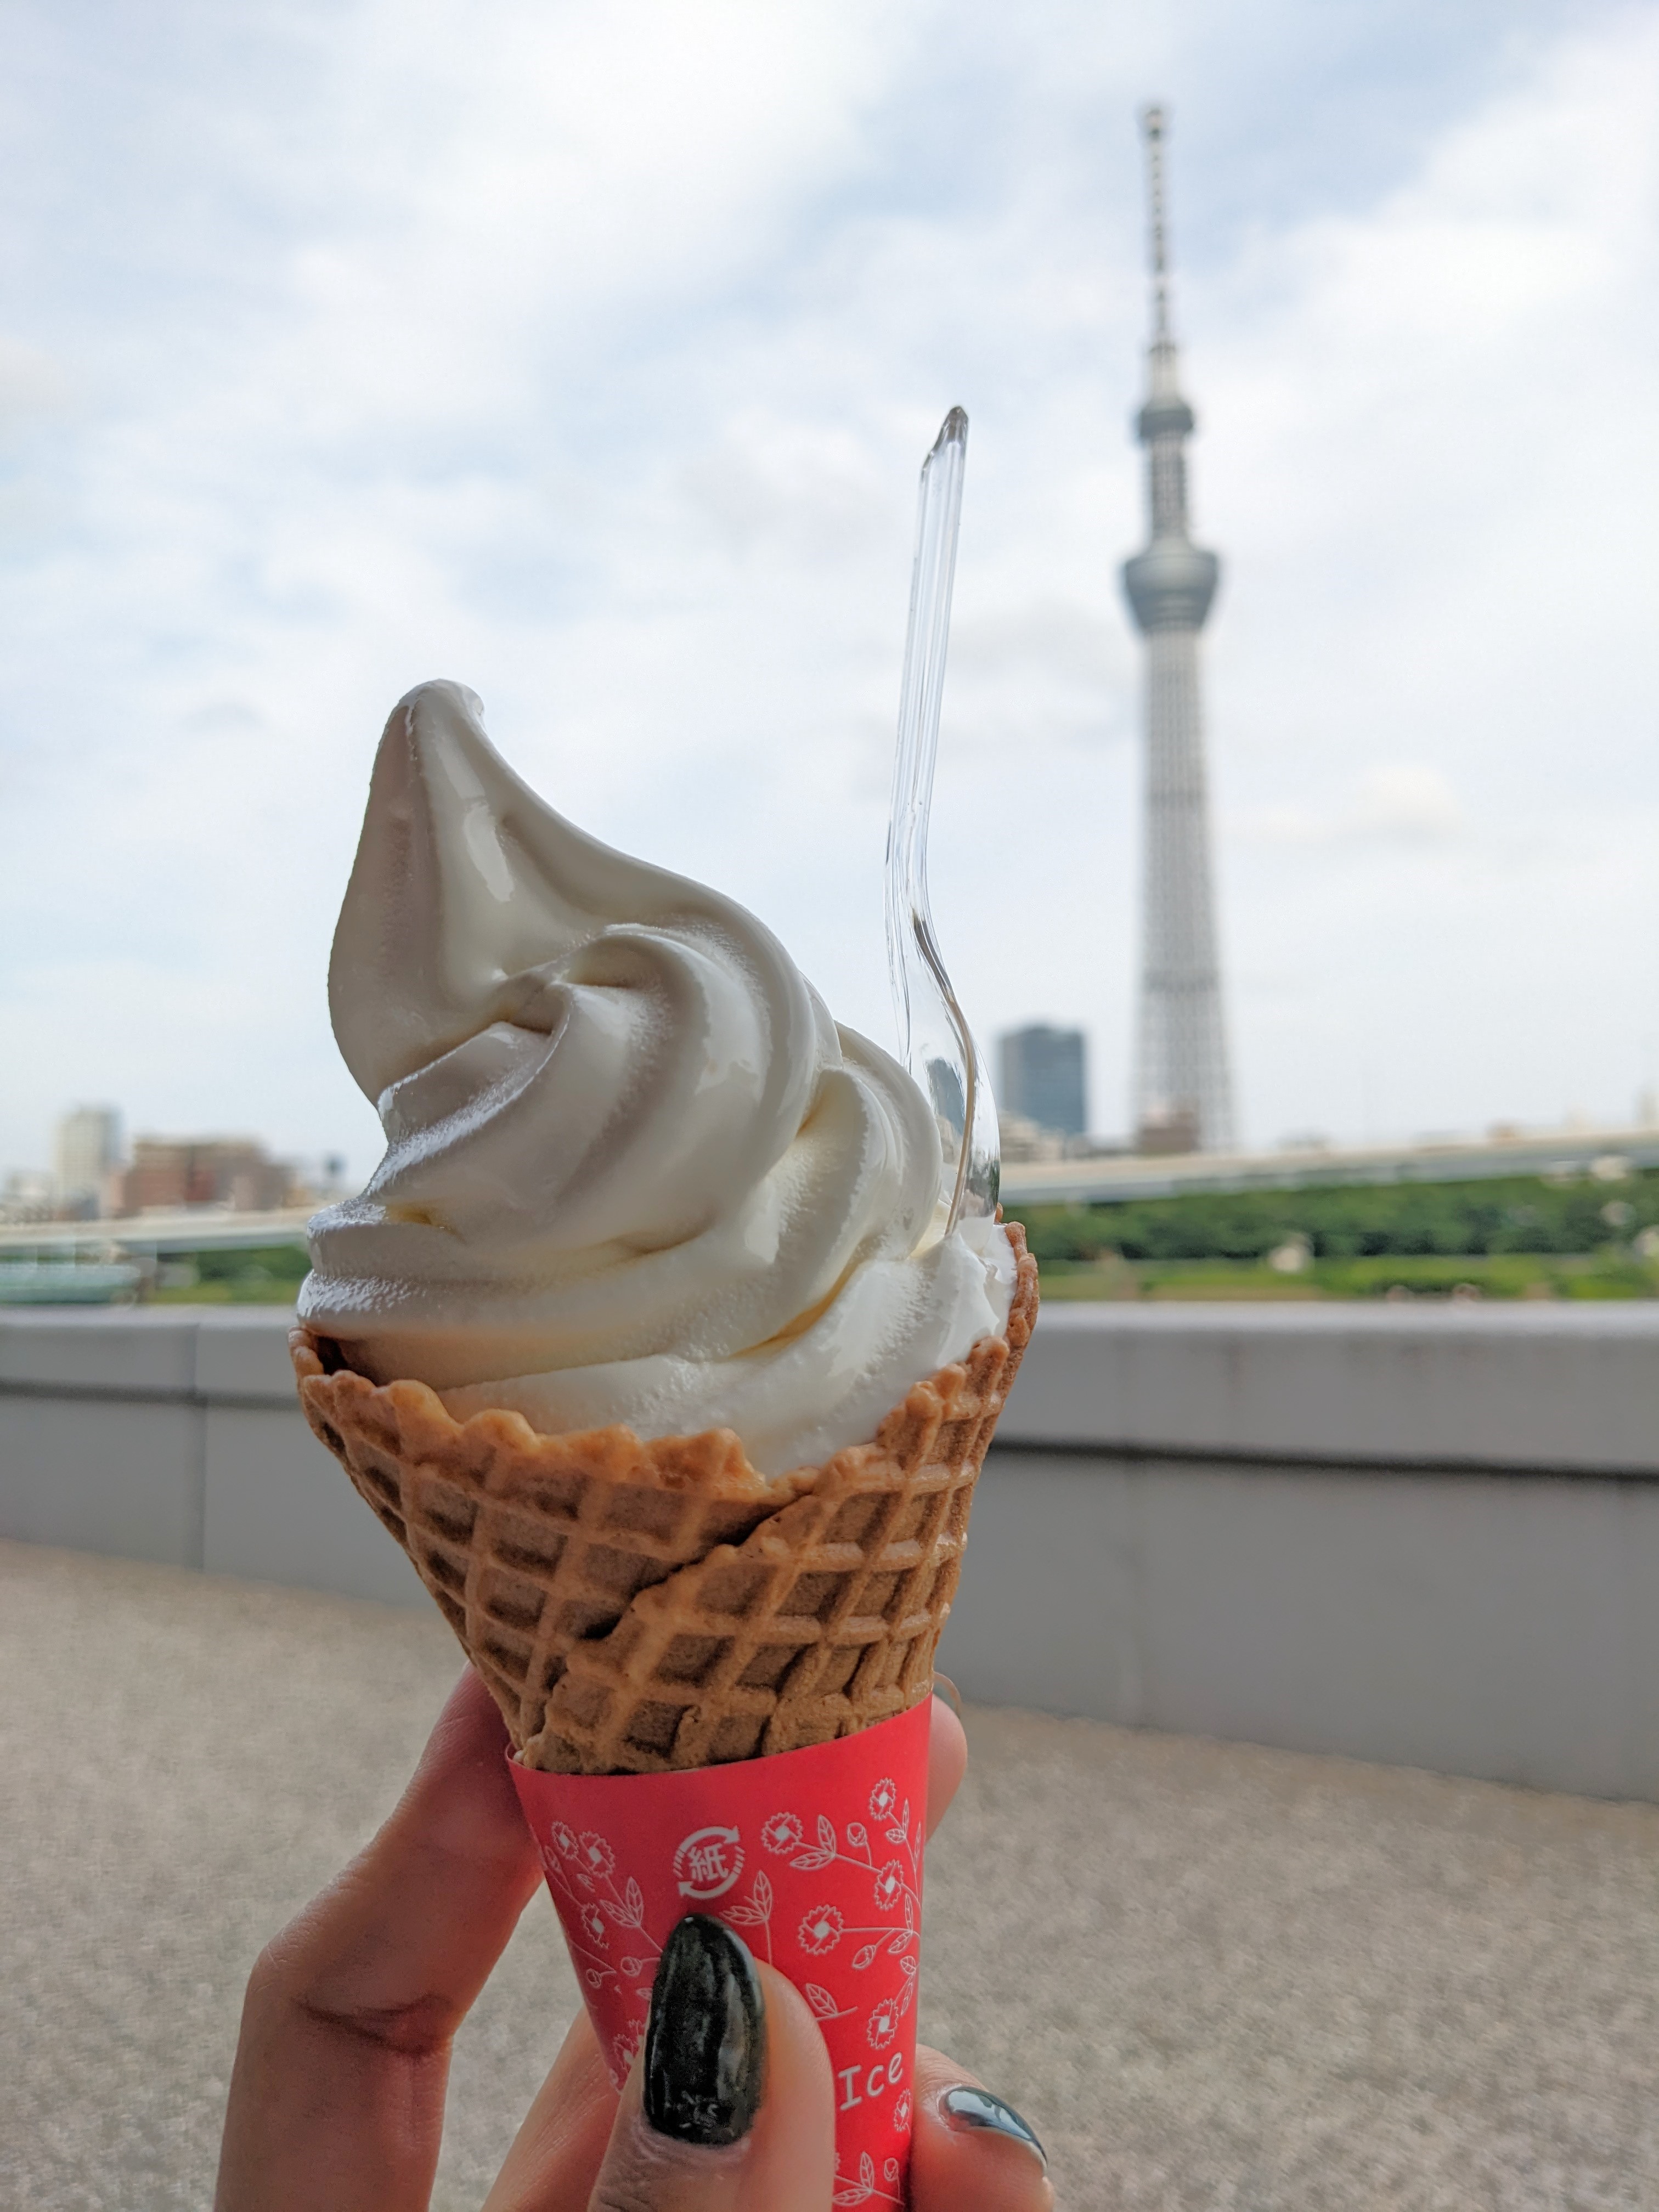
(1043, 1078)
(88, 1151)
(1183, 1095)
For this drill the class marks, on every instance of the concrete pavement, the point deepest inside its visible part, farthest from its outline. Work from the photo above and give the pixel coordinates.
(1212, 1977)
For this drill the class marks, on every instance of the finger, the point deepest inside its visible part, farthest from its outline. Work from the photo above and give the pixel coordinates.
(730, 2105)
(971, 2148)
(557, 2155)
(337, 2095)
(947, 1762)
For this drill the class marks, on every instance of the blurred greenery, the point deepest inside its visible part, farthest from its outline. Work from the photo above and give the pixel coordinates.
(268, 1277)
(1520, 1236)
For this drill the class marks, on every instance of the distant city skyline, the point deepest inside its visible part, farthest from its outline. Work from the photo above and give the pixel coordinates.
(171, 1181)
(96, 1176)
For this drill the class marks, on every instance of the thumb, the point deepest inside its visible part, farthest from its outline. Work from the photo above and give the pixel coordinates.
(730, 2105)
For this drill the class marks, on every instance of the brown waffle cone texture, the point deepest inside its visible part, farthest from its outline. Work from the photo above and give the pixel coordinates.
(637, 1607)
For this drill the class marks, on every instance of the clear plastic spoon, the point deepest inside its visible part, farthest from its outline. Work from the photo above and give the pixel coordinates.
(935, 1043)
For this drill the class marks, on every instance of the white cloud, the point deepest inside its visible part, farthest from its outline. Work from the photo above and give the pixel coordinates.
(588, 354)
(1395, 802)
(1426, 437)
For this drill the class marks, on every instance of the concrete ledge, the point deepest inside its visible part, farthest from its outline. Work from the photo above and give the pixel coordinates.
(97, 1475)
(241, 1357)
(1505, 1627)
(102, 1352)
(1562, 1388)
(174, 1434)
(277, 1508)
(199, 1353)
(1565, 1389)
(1430, 1538)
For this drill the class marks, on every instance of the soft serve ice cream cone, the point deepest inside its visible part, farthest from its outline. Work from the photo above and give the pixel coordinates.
(653, 1343)
(644, 1340)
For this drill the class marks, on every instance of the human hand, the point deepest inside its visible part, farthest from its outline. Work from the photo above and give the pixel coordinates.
(337, 2092)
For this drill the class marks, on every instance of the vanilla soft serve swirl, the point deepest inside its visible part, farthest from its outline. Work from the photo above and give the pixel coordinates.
(634, 1170)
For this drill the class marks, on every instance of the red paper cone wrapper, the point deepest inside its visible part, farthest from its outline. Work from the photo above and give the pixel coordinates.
(813, 1857)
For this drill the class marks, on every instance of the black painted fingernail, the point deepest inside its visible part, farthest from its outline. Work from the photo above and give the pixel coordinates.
(705, 2045)
(965, 2107)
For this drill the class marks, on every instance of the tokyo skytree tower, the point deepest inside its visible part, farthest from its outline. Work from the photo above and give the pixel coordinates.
(1183, 1095)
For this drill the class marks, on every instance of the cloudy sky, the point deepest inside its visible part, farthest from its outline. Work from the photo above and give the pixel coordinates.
(586, 353)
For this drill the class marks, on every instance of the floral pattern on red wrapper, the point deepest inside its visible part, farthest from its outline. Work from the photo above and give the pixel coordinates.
(814, 1857)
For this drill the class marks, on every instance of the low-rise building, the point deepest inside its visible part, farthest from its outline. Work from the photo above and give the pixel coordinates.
(234, 1173)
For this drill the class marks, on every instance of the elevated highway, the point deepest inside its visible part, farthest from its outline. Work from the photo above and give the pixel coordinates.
(1570, 1153)
(157, 1235)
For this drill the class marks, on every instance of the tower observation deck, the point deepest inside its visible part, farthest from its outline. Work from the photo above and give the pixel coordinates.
(1184, 1093)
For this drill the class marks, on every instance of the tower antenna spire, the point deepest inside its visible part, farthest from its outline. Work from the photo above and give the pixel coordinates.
(1153, 123)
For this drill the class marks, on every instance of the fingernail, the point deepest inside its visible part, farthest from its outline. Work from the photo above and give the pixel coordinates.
(705, 2044)
(965, 2107)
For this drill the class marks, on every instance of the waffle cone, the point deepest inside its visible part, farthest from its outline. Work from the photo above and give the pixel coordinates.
(637, 1607)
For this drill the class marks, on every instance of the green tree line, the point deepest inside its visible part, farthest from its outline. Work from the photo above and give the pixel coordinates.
(1520, 1213)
